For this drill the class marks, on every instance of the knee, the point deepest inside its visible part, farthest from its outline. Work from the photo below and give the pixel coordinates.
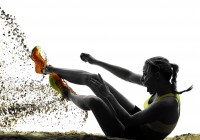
(93, 100)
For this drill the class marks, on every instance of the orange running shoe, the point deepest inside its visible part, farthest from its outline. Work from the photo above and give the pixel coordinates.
(40, 63)
(59, 85)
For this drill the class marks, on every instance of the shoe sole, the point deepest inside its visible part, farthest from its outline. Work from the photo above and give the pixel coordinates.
(52, 82)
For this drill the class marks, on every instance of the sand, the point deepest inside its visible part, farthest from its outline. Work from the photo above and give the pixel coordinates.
(26, 97)
(188, 136)
(73, 135)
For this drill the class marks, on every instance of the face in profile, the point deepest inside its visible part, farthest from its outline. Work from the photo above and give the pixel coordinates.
(148, 79)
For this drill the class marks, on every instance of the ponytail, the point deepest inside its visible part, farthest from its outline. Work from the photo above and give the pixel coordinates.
(175, 70)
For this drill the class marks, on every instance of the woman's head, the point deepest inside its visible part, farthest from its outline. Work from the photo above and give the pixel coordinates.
(156, 66)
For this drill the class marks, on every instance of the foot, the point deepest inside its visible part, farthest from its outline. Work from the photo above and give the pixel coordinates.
(39, 61)
(59, 85)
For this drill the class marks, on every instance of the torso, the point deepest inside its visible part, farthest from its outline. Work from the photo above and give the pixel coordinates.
(160, 128)
(169, 120)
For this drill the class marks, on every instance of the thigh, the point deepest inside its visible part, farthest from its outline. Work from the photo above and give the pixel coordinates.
(133, 133)
(108, 121)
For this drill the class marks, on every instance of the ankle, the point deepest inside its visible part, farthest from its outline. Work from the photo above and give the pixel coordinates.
(47, 69)
(65, 92)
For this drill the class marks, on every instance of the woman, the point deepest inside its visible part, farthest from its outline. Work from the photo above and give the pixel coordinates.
(115, 114)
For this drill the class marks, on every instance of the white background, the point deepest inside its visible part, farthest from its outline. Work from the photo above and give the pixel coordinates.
(120, 32)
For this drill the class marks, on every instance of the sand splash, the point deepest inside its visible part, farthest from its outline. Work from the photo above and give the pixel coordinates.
(27, 102)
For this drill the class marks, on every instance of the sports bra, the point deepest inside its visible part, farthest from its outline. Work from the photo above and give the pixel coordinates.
(157, 125)
(146, 103)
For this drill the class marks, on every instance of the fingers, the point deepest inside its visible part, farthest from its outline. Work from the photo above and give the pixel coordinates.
(98, 83)
(94, 81)
(84, 57)
(101, 79)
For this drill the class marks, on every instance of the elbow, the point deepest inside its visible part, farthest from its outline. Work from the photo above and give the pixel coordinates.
(129, 76)
(127, 121)
(134, 78)
(132, 121)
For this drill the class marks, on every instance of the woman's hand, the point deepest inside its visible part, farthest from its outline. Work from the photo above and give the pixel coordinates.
(87, 58)
(100, 86)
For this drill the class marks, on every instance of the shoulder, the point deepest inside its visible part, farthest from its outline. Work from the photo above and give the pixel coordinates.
(168, 102)
(167, 105)
(169, 109)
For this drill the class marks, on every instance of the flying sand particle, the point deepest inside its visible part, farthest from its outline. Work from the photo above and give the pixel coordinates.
(26, 97)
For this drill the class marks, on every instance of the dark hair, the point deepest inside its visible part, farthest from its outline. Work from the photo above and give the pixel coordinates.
(168, 69)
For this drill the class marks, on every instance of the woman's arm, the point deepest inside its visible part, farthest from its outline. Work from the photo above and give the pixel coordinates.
(102, 90)
(116, 70)
(121, 72)
(150, 114)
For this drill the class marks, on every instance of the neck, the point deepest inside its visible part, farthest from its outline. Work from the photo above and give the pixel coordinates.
(164, 87)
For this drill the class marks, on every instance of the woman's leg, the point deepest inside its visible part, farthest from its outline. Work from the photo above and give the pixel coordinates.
(108, 122)
(74, 76)
(83, 78)
(130, 108)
